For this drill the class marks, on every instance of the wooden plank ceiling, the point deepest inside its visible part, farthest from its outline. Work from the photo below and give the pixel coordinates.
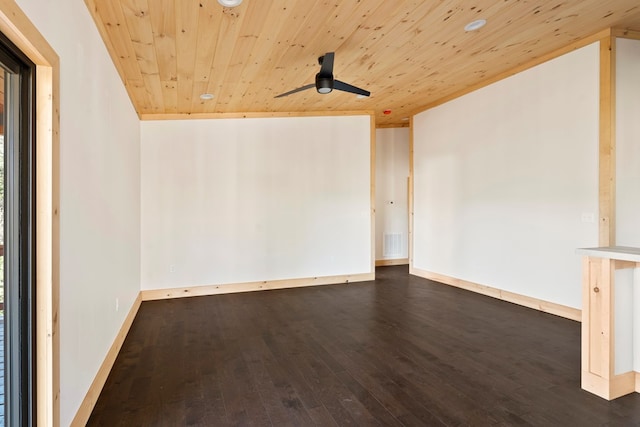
(407, 53)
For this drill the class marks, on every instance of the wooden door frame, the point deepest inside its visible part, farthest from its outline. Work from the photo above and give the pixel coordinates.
(17, 27)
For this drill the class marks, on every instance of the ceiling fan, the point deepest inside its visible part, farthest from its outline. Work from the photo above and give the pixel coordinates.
(325, 82)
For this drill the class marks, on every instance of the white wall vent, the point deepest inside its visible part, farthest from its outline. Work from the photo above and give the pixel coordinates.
(392, 245)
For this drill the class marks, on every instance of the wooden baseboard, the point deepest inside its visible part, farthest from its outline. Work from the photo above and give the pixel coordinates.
(193, 291)
(396, 261)
(610, 389)
(637, 382)
(530, 302)
(90, 399)
(623, 384)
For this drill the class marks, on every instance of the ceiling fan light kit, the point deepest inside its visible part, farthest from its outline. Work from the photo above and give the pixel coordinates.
(325, 83)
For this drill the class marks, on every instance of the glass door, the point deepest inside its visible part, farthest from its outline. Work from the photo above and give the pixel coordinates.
(2, 396)
(17, 237)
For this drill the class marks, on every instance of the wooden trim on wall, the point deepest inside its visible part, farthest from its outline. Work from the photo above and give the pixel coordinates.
(372, 206)
(47, 245)
(16, 26)
(230, 288)
(387, 262)
(254, 115)
(622, 384)
(607, 154)
(90, 399)
(526, 301)
(393, 126)
(520, 68)
(626, 34)
(410, 190)
(609, 388)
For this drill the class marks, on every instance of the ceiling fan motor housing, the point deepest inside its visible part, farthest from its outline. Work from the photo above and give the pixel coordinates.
(324, 84)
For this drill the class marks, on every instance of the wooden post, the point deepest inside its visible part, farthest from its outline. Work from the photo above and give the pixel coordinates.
(607, 154)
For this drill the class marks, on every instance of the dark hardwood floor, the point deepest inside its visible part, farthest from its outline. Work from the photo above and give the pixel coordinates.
(398, 351)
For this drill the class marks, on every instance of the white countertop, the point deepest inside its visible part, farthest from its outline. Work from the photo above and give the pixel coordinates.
(623, 253)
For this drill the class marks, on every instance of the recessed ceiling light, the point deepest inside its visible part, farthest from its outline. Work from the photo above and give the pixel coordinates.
(475, 25)
(360, 96)
(405, 118)
(230, 3)
(206, 96)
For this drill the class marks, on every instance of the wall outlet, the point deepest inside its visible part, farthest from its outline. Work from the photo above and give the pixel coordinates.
(117, 304)
(588, 217)
(172, 268)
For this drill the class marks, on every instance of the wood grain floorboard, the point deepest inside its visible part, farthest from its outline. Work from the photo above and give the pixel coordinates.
(397, 351)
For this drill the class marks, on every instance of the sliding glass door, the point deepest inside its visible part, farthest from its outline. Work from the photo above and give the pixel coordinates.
(17, 237)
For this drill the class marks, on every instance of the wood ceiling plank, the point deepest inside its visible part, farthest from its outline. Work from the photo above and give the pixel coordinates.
(199, 105)
(229, 29)
(372, 27)
(138, 21)
(209, 22)
(116, 28)
(155, 92)
(338, 26)
(163, 28)
(163, 23)
(249, 32)
(140, 93)
(252, 85)
(139, 25)
(187, 14)
(170, 95)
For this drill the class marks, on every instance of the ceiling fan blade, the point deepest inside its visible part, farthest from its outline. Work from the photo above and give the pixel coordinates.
(326, 68)
(300, 89)
(346, 87)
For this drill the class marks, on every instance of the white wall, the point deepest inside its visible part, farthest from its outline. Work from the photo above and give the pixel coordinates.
(504, 177)
(240, 200)
(628, 184)
(392, 204)
(100, 196)
(627, 142)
